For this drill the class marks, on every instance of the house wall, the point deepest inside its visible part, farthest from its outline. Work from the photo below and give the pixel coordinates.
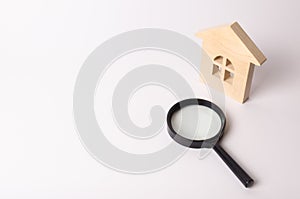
(240, 88)
(243, 73)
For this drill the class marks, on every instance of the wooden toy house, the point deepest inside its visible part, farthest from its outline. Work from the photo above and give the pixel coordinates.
(234, 56)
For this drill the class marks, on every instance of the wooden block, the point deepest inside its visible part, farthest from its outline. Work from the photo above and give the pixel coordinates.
(233, 56)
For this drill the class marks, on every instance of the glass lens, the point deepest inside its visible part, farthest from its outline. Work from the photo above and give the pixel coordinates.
(196, 122)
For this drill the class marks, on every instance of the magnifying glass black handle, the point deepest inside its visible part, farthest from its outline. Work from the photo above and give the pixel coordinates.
(235, 168)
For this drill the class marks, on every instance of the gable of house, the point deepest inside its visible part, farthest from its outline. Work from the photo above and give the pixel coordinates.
(231, 41)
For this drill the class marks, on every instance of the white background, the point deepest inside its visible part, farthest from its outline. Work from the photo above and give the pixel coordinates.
(42, 46)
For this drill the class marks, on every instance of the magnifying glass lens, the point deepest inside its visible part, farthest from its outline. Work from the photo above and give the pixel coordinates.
(196, 122)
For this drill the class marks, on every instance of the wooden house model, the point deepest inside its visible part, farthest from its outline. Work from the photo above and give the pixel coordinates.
(234, 56)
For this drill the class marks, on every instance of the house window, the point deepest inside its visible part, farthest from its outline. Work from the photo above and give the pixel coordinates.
(223, 69)
(217, 70)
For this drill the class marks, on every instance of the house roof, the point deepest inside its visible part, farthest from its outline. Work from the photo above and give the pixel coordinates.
(234, 39)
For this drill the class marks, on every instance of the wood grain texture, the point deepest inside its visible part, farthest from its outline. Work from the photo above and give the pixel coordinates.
(234, 55)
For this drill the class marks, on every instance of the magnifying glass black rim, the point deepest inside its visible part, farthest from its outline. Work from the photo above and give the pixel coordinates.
(207, 143)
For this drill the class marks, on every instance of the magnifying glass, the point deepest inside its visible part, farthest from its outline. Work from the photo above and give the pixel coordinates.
(198, 123)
